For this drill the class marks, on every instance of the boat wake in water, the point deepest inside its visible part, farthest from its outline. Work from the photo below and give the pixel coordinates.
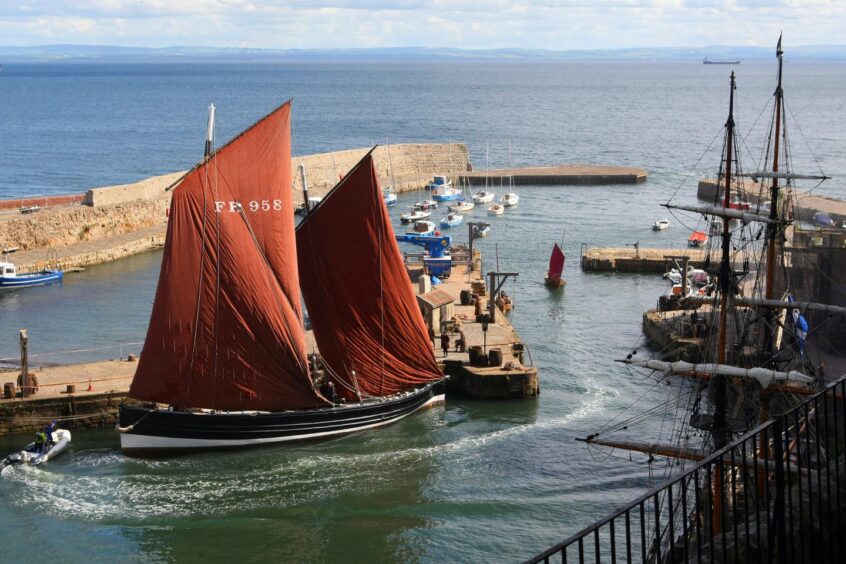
(105, 485)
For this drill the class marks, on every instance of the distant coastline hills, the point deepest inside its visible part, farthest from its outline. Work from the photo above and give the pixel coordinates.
(107, 53)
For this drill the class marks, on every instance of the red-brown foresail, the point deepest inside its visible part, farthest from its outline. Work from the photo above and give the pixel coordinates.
(365, 316)
(556, 262)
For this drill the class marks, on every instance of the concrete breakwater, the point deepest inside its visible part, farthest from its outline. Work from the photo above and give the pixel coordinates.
(646, 260)
(559, 175)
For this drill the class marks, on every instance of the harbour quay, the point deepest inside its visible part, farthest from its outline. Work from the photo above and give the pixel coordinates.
(493, 363)
(562, 175)
(638, 259)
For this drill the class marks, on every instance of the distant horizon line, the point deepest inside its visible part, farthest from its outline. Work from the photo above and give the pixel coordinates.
(57, 52)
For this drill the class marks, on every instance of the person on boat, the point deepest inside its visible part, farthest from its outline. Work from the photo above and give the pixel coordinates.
(328, 391)
(42, 442)
(445, 343)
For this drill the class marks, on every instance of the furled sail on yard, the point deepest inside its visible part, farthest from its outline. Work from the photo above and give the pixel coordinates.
(226, 327)
(366, 320)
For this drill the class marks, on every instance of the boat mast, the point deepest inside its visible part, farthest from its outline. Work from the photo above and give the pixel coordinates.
(726, 285)
(772, 227)
(209, 133)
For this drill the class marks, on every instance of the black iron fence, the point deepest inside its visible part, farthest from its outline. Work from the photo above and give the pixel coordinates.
(777, 494)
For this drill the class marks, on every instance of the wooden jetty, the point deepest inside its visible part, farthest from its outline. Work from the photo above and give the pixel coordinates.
(562, 175)
(88, 395)
(638, 259)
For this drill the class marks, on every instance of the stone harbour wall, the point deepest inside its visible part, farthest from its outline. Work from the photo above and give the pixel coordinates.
(111, 211)
(67, 225)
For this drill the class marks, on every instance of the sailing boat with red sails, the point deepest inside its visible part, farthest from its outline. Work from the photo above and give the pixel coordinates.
(225, 360)
(556, 268)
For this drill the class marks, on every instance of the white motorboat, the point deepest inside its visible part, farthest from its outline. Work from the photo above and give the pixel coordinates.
(509, 200)
(452, 220)
(483, 197)
(36, 454)
(425, 205)
(496, 209)
(416, 215)
(463, 207)
(481, 231)
(390, 196)
(661, 225)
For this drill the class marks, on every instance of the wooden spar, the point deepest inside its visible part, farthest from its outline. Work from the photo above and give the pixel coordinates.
(684, 453)
(723, 212)
(774, 304)
(763, 376)
(671, 451)
(780, 388)
(782, 175)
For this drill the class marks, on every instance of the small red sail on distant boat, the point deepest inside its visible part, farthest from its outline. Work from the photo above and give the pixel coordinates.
(556, 268)
(225, 350)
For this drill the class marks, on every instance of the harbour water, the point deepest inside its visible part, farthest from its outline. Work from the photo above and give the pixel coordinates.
(471, 481)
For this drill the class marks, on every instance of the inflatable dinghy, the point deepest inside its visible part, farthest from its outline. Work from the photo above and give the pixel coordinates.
(32, 455)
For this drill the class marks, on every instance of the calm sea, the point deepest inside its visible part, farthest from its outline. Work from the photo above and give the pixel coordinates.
(473, 481)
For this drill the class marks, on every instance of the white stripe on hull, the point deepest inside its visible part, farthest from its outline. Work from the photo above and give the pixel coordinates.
(131, 441)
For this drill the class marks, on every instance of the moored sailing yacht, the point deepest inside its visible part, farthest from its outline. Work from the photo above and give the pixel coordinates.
(224, 363)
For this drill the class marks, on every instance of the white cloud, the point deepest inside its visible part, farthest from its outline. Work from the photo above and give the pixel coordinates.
(551, 24)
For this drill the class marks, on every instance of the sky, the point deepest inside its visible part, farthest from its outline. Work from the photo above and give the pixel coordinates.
(467, 24)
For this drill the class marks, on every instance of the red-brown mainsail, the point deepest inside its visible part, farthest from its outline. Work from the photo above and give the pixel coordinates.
(226, 327)
(363, 310)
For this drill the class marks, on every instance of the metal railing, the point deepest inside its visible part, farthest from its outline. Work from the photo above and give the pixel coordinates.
(777, 494)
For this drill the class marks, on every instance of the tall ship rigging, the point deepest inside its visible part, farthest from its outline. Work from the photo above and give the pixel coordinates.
(752, 358)
(225, 360)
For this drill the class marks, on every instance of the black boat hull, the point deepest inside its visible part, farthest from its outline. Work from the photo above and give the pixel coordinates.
(150, 430)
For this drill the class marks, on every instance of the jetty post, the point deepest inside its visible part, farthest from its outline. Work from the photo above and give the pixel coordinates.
(473, 227)
(26, 387)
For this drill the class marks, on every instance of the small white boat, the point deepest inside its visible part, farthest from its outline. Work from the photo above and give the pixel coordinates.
(509, 200)
(390, 196)
(423, 228)
(445, 193)
(425, 205)
(481, 231)
(36, 454)
(496, 209)
(463, 207)
(416, 215)
(452, 220)
(661, 225)
(483, 197)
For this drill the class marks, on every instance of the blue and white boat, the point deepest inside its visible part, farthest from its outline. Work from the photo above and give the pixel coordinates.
(390, 196)
(9, 278)
(452, 220)
(439, 182)
(448, 194)
(423, 228)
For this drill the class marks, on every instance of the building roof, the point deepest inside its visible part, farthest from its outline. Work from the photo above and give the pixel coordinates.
(436, 298)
